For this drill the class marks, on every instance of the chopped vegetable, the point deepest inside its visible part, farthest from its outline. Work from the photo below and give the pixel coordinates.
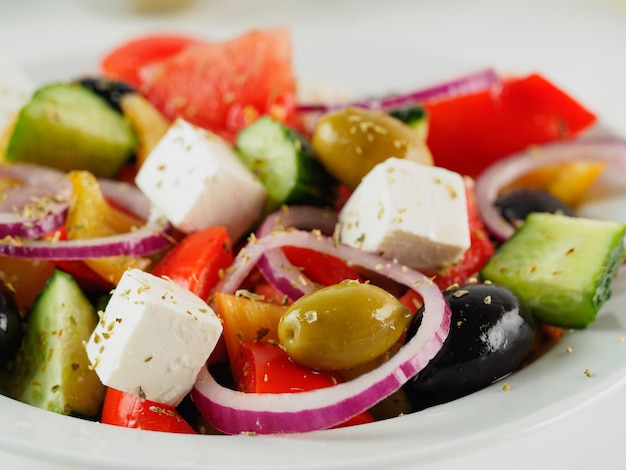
(197, 262)
(251, 76)
(560, 266)
(246, 319)
(91, 216)
(595, 152)
(68, 127)
(130, 411)
(127, 61)
(268, 369)
(52, 369)
(285, 163)
(470, 132)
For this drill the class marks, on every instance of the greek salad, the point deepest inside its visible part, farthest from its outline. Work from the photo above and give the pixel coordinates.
(187, 247)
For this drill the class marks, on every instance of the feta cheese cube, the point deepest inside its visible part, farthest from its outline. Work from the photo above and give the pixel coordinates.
(414, 213)
(16, 88)
(153, 338)
(197, 180)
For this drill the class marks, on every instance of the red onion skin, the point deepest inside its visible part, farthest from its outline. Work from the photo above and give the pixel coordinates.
(140, 242)
(498, 175)
(473, 82)
(236, 412)
(148, 239)
(46, 188)
(274, 265)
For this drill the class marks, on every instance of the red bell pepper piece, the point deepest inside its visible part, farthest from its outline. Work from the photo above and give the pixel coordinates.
(130, 411)
(197, 261)
(319, 267)
(470, 132)
(268, 369)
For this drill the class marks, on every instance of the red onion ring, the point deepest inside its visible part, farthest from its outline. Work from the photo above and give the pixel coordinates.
(470, 83)
(150, 238)
(37, 204)
(236, 412)
(274, 265)
(498, 175)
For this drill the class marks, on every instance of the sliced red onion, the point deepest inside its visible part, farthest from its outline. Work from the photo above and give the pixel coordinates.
(274, 265)
(150, 238)
(36, 204)
(470, 83)
(236, 412)
(497, 176)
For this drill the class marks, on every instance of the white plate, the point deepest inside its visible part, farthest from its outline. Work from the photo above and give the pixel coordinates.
(553, 413)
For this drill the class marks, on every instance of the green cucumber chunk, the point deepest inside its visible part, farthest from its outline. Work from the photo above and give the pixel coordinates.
(286, 164)
(561, 266)
(52, 368)
(68, 127)
(413, 116)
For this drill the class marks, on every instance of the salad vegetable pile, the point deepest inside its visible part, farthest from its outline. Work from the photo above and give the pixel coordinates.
(186, 247)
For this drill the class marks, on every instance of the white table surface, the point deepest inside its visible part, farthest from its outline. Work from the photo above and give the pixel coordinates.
(579, 44)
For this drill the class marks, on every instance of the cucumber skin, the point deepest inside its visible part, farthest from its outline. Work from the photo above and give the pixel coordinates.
(413, 116)
(52, 370)
(68, 127)
(565, 290)
(301, 180)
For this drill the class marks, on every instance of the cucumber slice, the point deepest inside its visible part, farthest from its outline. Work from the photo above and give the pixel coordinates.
(413, 116)
(561, 266)
(52, 368)
(285, 163)
(69, 127)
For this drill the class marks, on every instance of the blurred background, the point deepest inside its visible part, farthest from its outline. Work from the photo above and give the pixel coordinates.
(357, 44)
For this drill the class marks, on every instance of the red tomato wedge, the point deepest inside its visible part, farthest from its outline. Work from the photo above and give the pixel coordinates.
(130, 411)
(125, 62)
(470, 132)
(225, 86)
(268, 369)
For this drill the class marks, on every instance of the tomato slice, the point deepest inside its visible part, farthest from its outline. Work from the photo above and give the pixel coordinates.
(470, 132)
(225, 86)
(130, 411)
(197, 262)
(125, 62)
(268, 369)
(246, 320)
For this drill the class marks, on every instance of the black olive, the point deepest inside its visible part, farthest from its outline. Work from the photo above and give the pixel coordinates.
(514, 205)
(491, 333)
(11, 330)
(112, 91)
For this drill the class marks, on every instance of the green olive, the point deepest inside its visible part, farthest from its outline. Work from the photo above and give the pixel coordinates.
(342, 326)
(352, 141)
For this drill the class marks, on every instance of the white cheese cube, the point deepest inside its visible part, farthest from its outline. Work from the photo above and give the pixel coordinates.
(153, 338)
(197, 180)
(16, 89)
(414, 213)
